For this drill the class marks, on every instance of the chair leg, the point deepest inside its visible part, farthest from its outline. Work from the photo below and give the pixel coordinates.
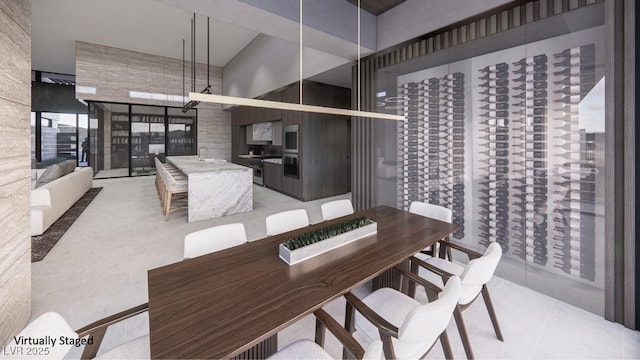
(319, 333)
(387, 346)
(492, 312)
(412, 285)
(444, 251)
(348, 325)
(167, 206)
(457, 314)
(446, 345)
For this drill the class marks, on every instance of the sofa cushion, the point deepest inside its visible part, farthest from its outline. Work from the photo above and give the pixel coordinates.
(56, 171)
(53, 172)
(69, 166)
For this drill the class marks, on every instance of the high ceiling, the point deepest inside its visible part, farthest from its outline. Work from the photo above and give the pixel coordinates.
(141, 25)
(377, 7)
(155, 27)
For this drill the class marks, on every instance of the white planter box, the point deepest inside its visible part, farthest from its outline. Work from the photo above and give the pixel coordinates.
(295, 256)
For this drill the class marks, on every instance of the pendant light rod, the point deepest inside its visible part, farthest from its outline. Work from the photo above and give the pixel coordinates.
(183, 56)
(300, 51)
(208, 66)
(193, 55)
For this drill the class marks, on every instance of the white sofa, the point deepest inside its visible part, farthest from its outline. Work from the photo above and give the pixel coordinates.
(51, 200)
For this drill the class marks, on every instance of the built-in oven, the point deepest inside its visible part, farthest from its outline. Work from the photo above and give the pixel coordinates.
(291, 165)
(257, 167)
(291, 139)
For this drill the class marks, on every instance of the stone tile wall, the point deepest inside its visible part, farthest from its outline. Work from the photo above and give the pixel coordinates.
(15, 149)
(114, 73)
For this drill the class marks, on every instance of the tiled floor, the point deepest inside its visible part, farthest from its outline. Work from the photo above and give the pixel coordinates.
(100, 267)
(112, 173)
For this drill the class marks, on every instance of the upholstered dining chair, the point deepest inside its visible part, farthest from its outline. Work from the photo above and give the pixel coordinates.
(54, 325)
(435, 212)
(407, 328)
(474, 278)
(335, 209)
(49, 324)
(307, 349)
(286, 221)
(213, 239)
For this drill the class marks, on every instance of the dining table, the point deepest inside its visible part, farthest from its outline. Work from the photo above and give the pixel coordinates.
(233, 302)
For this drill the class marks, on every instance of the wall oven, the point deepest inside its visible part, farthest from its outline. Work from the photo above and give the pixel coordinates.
(291, 165)
(257, 167)
(291, 139)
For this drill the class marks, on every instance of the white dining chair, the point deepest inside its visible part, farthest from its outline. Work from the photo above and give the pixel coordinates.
(138, 348)
(213, 239)
(407, 328)
(55, 326)
(335, 209)
(48, 325)
(307, 349)
(286, 221)
(431, 211)
(474, 278)
(435, 212)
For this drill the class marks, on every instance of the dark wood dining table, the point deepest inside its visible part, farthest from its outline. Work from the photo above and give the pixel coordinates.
(223, 304)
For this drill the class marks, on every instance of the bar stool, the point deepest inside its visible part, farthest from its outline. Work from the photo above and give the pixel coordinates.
(173, 185)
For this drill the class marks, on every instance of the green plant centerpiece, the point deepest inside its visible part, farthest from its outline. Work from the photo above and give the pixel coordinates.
(318, 241)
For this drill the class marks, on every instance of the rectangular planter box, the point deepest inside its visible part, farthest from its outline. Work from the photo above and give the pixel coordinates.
(295, 256)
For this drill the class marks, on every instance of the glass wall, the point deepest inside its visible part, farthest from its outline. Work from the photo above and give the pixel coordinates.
(508, 132)
(182, 130)
(126, 139)
(147, 138)
(61, 137)
(83, 140)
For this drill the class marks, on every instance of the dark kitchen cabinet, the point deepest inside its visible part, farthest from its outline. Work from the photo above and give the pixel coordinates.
(272, 175)
(277, 133)
(324, 150)
(265, 114)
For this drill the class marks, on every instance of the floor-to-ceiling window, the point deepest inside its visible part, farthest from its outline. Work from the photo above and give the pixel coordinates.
(125, 139)
(57, 137)
(508, 132)
(59, 122)
(181, 132)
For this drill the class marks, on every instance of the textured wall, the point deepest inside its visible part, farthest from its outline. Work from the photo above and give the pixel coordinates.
(114, 73)
(15, 108)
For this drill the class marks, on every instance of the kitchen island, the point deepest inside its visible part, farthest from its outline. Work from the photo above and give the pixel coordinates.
(216, 188)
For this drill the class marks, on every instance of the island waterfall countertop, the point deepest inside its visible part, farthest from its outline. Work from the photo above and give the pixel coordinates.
(216, 188)
(191, 165)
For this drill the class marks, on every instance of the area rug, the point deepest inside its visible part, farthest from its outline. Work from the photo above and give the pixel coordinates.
(42, 244)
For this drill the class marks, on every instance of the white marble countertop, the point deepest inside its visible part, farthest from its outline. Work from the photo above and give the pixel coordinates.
(274, 161)
(257, 156)
(191, 165)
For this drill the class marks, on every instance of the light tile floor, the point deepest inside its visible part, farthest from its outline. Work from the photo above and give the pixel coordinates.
(100, 267)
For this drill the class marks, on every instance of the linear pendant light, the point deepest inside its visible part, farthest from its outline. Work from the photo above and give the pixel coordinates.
(233, 100)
